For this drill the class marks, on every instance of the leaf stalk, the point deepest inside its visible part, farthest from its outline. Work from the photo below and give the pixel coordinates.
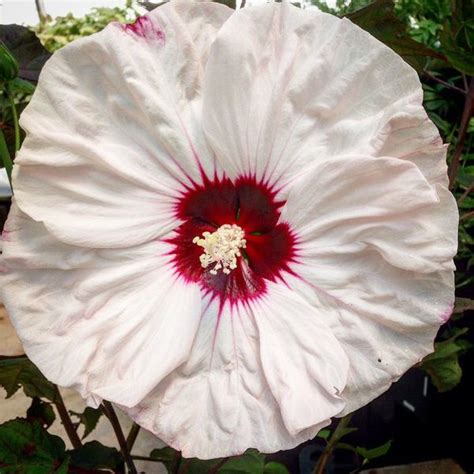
(112, 416)
(320, 467)
(466, 117)
(66, 420)
(7, 161)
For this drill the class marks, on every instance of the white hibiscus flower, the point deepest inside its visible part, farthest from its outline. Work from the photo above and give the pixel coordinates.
(233, 225)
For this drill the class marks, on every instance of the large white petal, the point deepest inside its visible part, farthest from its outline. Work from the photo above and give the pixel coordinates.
(285, 87)
(113, 129)
(258, 376)
(386, 204)
(385, 318)
(375, 247)
(103, 322)
(303, 362)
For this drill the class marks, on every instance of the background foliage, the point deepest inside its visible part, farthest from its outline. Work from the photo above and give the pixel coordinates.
(437, 38)
(54, 34)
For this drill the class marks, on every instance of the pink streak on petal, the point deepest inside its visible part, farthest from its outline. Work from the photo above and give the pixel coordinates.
(6, 235)
(144, 27)
(445, 315)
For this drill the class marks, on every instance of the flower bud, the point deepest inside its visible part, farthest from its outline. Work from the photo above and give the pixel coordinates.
(8, 64)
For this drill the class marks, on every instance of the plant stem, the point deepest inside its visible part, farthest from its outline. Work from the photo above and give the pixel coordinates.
(16, 125)
(66, 420)
(468, 215)
(132, 436)
(444, 83)
(7, 161)
(466, 116)
(42, 15)
(336, 435)
(112, 416)
(178, 462)
(466, 193)
(145, 458)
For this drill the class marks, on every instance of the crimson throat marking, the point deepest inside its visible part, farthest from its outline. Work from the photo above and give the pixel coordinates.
(264, 252)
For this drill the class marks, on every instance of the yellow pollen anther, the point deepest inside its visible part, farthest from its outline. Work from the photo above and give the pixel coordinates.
(221, 247)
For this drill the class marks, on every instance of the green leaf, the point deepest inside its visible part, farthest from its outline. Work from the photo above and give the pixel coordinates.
(345, 446)
(461, 60)
(26, 48)
(20, 86)
(175, 463)
(340, 433)
(8, 64)
(443, 364)
(26, 447)
(470, 128)
(275, 468)
(150, 6)
(197, 466)
(168, 456)
(16, 372)
(345, 431)
(94, 455)
(227, 3)
(463, 304)
(466, 174)
(457, 38)
(89, 418)
(324, 434)
(64, 29)
(251, 462)
(64, 467)
(379, 20)
(373, 453)
(42, 412)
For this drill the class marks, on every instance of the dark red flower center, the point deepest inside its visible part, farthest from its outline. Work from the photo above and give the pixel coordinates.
(252, 206)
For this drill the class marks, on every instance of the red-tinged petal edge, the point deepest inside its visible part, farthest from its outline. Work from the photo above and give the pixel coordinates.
(252, 205)
(145, 27)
